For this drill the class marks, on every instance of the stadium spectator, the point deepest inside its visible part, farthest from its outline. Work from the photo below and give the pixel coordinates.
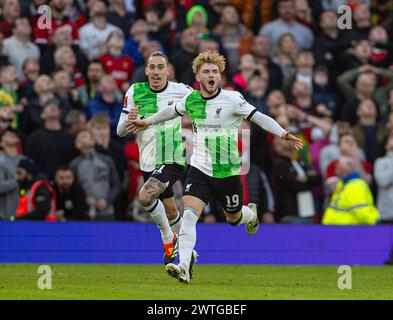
(31, 116)
(101, 130)
(331, 151)
(98, 177)
(37, 199)
(233, 34)
(74, 122)
(276, 103)
(304, 71)
(214, 9)
(158, 26)
(119, 66)
(327, 44)
(294, 201)
(107, 102)
(366, 78)
(362, 20)
(51, 146)
(256, 91)
(43, 35)
(6, 117)
(247, 68)
(303, 12)
(381, 47)
(3, 57)
(19, 47)
(260, 49)
(70, 197)
(358, 55)
(31, 71)
(285, 55)
(384, 178)
(139, 33)
(94, 34)
(11, 10)
(62, 37)
(74, 11)
(324, 96)
(95, 71)
(348, 147)
(302, 96)
(10, 87)
(9, 157)
(119, 16)
(65, 60)
(286, 23)
(197, 18)
(368, 133)
(182, 57)
(67, 95)
(352, 202)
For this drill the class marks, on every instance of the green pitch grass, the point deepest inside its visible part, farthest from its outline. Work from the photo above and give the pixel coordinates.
(150, 282)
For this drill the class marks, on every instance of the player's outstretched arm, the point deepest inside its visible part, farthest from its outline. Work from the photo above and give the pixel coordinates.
(121, 125)
(271, 125)
(135, 125)
(125, 124)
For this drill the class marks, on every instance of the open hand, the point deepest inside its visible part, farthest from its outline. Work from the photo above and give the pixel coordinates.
(131, 119)
(295, 141)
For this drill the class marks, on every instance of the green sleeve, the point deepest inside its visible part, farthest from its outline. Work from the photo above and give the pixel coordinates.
(345, 83)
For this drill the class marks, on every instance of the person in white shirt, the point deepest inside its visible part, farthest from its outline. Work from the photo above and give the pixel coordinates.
(94, 34)
(286, 23)
(383, 173)
(19, 47)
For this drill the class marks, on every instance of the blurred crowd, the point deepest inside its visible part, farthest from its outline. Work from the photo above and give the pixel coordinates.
(64, 72)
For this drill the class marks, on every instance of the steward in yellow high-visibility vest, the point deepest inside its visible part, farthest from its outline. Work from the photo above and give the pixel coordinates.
(352, 203)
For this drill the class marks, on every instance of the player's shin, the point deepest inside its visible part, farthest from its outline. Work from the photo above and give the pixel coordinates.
(187, 238)
(158, 215)
(246, 215)
(176, 223)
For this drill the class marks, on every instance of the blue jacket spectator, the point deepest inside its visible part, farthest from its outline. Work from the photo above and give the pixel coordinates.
(106, 101)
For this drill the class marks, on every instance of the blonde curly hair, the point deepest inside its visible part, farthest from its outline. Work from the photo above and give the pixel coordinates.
(212, 57)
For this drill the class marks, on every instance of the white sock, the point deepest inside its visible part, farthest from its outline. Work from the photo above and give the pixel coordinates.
(245, 216)
(157, 213)
(187, 237)
(176, 223)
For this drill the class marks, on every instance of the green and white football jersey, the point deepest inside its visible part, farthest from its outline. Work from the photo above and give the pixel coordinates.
(160, 143)
(216, 122)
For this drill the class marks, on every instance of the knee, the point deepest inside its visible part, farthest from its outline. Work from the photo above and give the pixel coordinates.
(144, 198)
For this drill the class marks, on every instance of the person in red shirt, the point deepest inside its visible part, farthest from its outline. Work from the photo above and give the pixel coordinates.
(10, 12)
(120, 67)
(43, 34)
(347, 147)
